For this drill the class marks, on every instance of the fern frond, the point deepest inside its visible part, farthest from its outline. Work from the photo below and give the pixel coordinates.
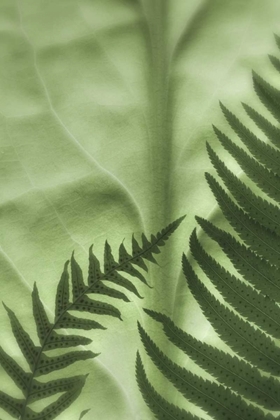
(255, 255)
(80, 300)
(246, 316)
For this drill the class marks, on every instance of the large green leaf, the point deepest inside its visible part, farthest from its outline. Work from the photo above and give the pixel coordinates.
(104, 112)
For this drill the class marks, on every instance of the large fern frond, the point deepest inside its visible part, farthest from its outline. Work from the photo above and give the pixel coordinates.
(78, 299)
(246, 316)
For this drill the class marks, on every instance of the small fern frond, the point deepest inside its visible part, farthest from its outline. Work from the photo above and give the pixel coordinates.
(246, 315)
(73, 294)
(83, 413)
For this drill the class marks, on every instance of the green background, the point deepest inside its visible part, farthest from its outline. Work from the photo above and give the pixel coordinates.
(105, 107)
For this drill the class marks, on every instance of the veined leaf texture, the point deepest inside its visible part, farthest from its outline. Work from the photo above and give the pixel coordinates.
(105, 107)
(244, 383)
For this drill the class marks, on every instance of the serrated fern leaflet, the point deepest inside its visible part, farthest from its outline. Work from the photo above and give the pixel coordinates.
(78, 299)
(246, 315)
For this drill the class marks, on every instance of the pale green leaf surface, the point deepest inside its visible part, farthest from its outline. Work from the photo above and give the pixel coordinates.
(105, 108)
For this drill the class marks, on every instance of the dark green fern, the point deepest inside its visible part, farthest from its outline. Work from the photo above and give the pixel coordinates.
(247, 315)
(80, 300)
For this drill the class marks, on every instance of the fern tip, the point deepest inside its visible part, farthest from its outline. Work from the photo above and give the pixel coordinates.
(210, 151)
(83, 413)
(245, 106)
(184, 258)
(193, 234)
(6, 307)
(157, 316)
(211, 182)
(66, 265)
(255, 75)
(223, 107)
(206, 174)
(138, 359)
(215, 128)
(277, 38)
(198, 218)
